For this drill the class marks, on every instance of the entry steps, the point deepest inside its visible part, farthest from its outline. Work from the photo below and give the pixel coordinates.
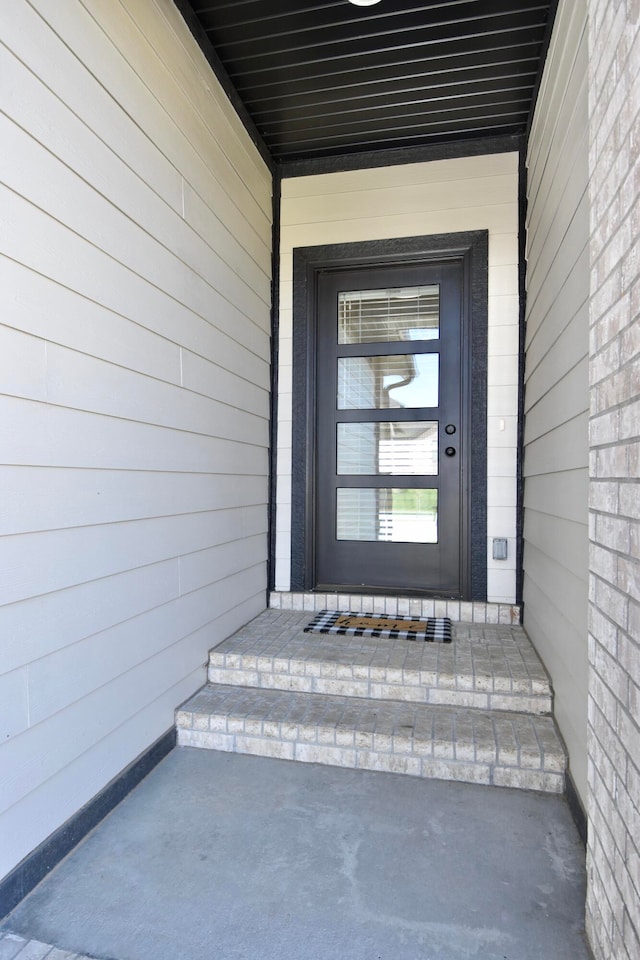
(476, 710)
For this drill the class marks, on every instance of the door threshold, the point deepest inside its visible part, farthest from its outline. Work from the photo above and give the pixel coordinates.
(398, 605)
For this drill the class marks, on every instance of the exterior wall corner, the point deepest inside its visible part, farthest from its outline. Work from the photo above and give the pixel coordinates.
(613, 901)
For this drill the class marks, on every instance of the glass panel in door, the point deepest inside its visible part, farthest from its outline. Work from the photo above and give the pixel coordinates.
(397, 447)
(400, 313)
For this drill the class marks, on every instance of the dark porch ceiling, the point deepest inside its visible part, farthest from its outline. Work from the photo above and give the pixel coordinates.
(322, 79)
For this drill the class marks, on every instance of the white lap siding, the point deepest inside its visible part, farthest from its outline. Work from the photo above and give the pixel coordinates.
(134, 379)
(556, 381)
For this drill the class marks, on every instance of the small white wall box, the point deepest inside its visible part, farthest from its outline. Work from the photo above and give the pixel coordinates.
(499, 548)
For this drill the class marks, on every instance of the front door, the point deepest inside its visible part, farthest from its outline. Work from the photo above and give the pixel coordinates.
(388, 459)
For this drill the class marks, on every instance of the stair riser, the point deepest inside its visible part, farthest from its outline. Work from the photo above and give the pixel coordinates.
(415, 692)
(395, 606)
(414, 739)
(475, 711)
(364, 758)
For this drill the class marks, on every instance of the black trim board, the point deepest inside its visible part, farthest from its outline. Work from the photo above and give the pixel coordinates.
(273, 400)
(522, 329)
(35, 867)
(576, 808)
(307, 262)
(448, 150)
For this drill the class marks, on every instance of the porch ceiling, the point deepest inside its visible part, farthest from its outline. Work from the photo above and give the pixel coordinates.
(322, 78)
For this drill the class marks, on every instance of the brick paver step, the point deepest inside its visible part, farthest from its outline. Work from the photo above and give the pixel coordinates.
(424, 740)
(487, 666)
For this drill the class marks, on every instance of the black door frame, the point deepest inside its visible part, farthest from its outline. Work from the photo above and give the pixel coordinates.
(470, 249)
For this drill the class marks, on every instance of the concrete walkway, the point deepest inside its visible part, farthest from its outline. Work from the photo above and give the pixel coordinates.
(227, 857)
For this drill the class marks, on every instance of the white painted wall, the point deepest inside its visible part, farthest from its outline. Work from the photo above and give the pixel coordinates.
(556, 562)
(134, 377)
(472, 193)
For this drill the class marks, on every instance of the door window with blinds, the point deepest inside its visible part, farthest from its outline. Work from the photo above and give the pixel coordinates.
(401, 313)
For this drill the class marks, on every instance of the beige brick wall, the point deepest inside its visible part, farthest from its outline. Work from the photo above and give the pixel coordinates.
(613, 904)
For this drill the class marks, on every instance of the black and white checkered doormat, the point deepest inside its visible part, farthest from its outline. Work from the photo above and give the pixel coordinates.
(433, 629)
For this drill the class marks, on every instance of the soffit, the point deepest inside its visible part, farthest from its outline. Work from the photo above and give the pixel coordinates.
(325, 79)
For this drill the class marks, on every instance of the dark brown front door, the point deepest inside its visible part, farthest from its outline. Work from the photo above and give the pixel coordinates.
(388, 462)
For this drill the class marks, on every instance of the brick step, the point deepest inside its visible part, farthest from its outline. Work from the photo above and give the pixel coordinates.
(474, 746)
(488, 666)
(399, 606)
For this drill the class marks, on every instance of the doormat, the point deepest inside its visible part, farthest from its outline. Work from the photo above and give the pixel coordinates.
(433, 629)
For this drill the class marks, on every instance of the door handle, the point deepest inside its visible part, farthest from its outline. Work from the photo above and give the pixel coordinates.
(450, 451)
(450, 429)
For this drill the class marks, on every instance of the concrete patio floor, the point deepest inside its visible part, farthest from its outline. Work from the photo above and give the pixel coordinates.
(226, 857)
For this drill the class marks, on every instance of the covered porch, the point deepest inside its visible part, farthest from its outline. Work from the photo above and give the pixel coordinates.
(217, 854)
(184, 188)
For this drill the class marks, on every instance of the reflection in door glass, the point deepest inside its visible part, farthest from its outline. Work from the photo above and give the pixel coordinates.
(386, 514)
(398, 313)
(404, 381)
(394, 447)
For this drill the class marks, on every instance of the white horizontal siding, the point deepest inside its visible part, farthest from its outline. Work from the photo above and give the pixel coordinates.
(556, 380)
(398, 201)
(470, 193)
(69, 675)
(34, 369)
(88, 496)
(134, 383)
(46, 435)
(56, 559)
(40, 243)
